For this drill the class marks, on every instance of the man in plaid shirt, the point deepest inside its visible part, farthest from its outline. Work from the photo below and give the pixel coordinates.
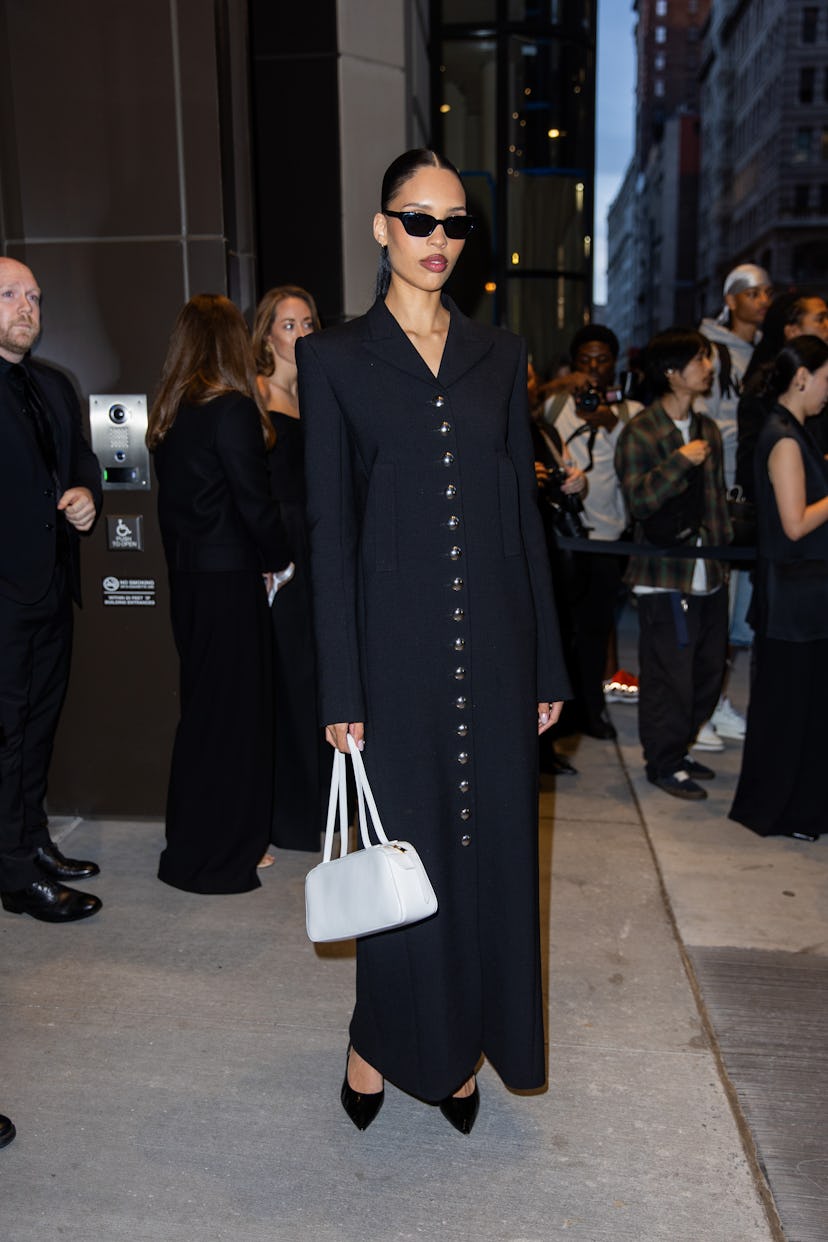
(669, 461)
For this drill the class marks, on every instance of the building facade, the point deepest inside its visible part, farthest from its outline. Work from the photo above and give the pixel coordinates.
(764, 172)
(653, 224)
(154, 151)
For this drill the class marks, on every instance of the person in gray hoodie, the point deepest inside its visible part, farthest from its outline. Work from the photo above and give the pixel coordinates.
(735, 333)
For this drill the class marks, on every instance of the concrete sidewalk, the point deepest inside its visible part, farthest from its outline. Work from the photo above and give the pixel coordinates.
(173, 1065)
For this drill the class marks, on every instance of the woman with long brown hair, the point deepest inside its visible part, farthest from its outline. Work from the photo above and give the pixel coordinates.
(301, 772)
(223, 538)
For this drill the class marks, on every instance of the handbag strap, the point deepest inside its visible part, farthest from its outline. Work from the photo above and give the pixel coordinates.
(338, 795)
(364, 795)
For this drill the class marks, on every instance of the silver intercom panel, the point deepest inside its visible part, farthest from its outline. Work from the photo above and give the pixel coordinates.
(118, 428)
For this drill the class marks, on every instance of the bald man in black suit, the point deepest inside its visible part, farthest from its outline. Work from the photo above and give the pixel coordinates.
(50, 492)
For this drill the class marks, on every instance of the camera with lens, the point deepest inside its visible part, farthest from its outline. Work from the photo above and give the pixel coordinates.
(588, 399)
(117, 414)
(566, 509)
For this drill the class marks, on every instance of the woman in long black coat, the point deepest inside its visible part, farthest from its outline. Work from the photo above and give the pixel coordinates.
(438, 642)
(221, 532)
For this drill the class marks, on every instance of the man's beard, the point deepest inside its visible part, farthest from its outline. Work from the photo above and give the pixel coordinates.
(15, 342)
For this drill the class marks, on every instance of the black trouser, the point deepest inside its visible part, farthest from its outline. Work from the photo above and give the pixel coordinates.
(682, 649)
(35, 647)
(592, 595)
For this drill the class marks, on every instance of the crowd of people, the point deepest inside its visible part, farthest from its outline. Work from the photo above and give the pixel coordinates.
(690, 465)
(372, 531)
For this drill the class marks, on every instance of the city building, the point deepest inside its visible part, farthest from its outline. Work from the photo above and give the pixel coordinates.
(653, 224)
(764, 170)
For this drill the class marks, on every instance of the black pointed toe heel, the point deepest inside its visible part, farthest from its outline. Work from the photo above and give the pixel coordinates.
(362, 1109)
(461, 1111)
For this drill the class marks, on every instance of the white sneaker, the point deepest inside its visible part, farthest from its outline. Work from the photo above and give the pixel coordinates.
(708, 739)
(728, 722)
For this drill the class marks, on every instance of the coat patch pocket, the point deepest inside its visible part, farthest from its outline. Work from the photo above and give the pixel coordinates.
(384, 505)
(507, 491)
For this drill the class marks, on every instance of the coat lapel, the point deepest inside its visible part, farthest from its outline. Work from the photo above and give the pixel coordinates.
(466, 344)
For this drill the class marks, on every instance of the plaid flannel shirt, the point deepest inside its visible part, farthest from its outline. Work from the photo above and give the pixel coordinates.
(652, 470)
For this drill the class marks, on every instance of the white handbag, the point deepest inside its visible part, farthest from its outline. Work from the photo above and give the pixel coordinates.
(369, 890)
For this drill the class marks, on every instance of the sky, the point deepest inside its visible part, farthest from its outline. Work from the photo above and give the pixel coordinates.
(615, 120)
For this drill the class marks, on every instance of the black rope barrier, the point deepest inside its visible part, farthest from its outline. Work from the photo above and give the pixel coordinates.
(620, 547)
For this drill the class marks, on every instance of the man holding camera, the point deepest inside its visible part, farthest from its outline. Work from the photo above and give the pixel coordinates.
(50, 491)
(588, 413)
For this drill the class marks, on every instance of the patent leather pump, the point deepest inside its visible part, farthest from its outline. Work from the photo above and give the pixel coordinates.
(461, 1111)
(362, 1109)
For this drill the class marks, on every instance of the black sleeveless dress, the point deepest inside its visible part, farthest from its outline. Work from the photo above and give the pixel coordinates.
(302, 757)
(781, 785)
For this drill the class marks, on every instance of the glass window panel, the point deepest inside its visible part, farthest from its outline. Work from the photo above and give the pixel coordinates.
(468, 103)
(472, 283)
(802, 196)
(810, 17)
(536, 10)
(469, 10)
(546, 222)
(558, 13)
(802, 144)
(548, 312)
(549, 103)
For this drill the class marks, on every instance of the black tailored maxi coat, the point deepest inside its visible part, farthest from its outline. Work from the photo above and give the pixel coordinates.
(436, 625)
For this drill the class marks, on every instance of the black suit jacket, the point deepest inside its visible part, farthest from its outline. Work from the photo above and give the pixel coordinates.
(27, 491)
(214, 504)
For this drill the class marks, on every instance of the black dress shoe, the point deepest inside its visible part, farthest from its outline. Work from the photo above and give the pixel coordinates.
(556, 764)
(462, 1111)
(602, 728)
(680, 785)
(7, 1131)
(362, 1109)
(697, 771)
(51, 902)
(52, 863)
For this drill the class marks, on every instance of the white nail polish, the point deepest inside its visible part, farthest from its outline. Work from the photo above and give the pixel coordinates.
(544, 717)
(360, 744)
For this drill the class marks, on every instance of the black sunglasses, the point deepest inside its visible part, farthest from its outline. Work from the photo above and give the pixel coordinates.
(418, 224)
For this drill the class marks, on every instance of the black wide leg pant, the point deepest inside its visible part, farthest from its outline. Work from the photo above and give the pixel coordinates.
(592, 596)
(220, 793)
(682, 648)
(35, 650)
(782, 783)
